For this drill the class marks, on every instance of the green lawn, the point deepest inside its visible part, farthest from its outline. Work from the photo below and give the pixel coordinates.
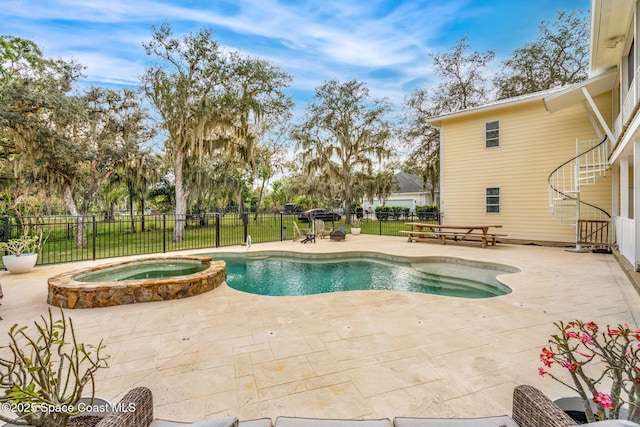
(123, 237)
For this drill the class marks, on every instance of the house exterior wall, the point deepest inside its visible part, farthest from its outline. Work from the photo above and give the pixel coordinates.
(533, 142)
(626, 57)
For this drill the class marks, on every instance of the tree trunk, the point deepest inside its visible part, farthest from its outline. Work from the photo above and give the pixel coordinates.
(264, 183)
(142, 213)
(80, 232)
(181, 198)
(133, 223)
(346, 192)
(110, 214)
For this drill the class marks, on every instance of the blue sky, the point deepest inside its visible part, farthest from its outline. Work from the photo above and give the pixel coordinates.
(385, 43)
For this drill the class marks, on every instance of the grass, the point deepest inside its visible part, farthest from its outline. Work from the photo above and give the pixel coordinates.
(122, 237)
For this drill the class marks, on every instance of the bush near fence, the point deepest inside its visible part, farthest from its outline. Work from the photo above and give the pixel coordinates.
(384, 213)
(427, 212)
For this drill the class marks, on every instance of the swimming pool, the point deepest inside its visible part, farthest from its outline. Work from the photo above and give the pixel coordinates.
(280, 275)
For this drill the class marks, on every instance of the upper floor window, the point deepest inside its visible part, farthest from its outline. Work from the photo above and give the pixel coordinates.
(492, 134)
(492, 200)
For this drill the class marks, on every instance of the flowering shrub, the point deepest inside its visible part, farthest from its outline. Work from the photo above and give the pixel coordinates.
(593, 358)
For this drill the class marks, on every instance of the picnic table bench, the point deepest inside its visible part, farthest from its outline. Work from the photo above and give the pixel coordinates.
(452, 232)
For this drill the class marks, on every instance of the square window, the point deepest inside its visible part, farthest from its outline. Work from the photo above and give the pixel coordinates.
(492, 134)
(492, 200)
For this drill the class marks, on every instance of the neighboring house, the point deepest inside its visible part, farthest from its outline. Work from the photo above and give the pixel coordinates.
(528, 162)
(411, 193)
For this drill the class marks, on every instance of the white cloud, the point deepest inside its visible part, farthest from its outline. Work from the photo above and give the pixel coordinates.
(385, 43)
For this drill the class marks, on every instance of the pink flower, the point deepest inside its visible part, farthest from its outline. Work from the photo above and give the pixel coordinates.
(546, 357)
(604, 400)
(591, 326)
(571, 366)
(613, 349)
(586, 339)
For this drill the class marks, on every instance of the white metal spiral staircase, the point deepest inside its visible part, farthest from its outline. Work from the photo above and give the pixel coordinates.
(565, 182)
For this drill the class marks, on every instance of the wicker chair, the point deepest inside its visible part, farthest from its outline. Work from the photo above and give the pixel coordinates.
(531, 408)
(134, 410)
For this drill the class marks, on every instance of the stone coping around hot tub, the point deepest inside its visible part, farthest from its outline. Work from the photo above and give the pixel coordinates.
(66, 292)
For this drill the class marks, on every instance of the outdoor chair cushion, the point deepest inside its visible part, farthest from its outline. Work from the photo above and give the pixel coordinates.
(258, 422)
(611, 423)
(215, 422)
(500, 421)
(326, 422)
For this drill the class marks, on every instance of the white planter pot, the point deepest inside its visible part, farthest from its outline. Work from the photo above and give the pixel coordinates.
(355, 230)
(20, 264)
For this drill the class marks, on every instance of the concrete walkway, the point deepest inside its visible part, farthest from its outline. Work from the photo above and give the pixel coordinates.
(349, 355)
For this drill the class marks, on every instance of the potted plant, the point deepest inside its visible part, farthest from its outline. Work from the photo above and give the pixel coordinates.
(356, 226)
(22, 252)
(593, 358)
(44, 373)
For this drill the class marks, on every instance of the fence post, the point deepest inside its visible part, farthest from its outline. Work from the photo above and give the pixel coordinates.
(164, 233)
(94, 228)
(245, 225)
(6, 229)
(380, 226)
(217, 230)
(283, 230)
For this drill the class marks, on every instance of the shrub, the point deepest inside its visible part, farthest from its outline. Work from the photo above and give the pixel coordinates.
(427, 212)
(383, 212)
(359, 212)
(45, 372)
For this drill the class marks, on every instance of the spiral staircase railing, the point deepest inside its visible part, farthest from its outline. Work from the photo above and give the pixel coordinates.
(565, 183)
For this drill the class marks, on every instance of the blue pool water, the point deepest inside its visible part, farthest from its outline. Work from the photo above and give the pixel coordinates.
(279, 276)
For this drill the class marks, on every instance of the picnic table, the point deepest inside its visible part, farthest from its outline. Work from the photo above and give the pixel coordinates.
(456, 232)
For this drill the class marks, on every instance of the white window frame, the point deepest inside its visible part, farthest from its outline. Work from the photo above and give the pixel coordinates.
(495, 140)
(488, 205)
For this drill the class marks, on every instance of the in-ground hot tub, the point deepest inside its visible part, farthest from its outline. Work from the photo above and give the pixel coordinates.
(140, 280)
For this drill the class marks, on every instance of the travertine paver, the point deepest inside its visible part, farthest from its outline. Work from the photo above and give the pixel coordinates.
(350, 355)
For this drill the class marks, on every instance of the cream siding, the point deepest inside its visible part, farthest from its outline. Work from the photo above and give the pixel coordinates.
(533, 143)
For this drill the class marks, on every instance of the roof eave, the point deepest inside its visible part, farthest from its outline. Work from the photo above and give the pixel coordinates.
(436, 121)
(574, 94)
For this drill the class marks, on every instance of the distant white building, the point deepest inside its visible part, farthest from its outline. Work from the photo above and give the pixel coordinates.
(412, 192)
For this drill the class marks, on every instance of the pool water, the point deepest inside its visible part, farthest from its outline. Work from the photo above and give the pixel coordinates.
(278, 276)
(157, 269)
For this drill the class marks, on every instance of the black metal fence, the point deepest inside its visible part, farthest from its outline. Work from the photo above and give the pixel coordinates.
(93, 237)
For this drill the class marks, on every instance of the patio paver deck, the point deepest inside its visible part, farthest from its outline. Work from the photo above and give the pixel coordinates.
(351, 355)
